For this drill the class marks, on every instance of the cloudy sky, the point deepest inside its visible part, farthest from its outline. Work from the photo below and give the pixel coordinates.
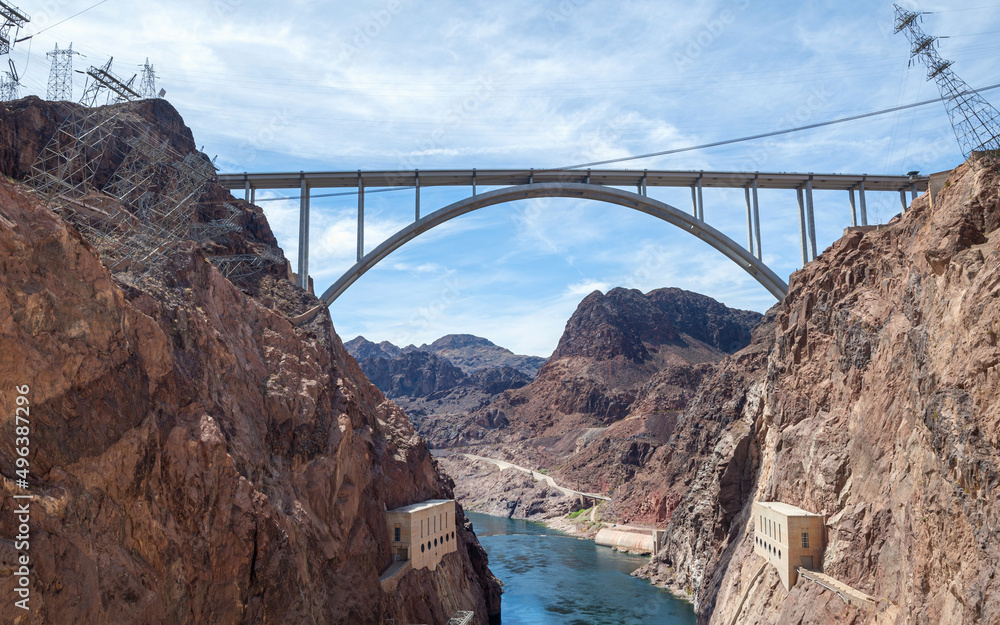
(401, 84)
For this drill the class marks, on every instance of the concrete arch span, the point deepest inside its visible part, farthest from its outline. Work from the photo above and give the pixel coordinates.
(688, 223)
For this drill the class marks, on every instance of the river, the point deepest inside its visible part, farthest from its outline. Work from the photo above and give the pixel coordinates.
(551, 578)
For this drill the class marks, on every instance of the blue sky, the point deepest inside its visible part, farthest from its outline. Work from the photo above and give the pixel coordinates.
(400, 84)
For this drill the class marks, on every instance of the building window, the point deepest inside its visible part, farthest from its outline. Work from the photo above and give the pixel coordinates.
(779, 533)
(805, 540)
(435, 542)
(779, 555)
(421, 548)
(395, 536)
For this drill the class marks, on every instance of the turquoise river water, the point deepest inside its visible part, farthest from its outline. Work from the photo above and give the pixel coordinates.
(551, 578)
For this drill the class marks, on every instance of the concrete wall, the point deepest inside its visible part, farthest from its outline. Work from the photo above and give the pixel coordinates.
(778, 538)
(634, 541)
(427, 532)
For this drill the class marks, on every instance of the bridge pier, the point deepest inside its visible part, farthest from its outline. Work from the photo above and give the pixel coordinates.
(756, 219)
(854, 209)
(303, 232)
(361, 217)
(811, 219)
(902, 200)
(861, 200)
(246, 195)
(802, 226)
(416, 183)
(750, 247)
(697, 200)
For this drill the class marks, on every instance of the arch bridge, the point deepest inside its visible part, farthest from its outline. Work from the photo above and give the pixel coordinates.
(609, 186)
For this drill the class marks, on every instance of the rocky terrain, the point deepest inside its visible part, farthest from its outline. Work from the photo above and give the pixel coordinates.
(610, 394)
(868, 395)
(455, 375)
(201, 452)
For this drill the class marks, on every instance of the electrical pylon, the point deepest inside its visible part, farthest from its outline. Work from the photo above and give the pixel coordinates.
(147, 84)
(975, 121)
(14, 19)
(61, 74)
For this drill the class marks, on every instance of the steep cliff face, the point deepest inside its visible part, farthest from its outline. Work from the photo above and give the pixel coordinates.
(874, 402)
(196, 457)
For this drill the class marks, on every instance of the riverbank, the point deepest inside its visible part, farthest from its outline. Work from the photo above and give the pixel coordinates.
(547, 574)
(482, 487)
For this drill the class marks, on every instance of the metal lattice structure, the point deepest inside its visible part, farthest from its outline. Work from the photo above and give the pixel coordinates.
(103, 80)
(212, 229)
(13, 20)
(975, 121)
(60, 87)
(123, 187)
(9, 87)
(461, 618)
(245, 266)
(147, 84)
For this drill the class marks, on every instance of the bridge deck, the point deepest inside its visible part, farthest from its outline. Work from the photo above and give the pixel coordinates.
(606, 177)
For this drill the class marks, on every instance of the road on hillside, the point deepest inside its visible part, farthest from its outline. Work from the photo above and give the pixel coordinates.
(502, 464)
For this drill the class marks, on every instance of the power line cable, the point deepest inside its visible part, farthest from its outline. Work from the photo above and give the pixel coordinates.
(94, 6)
(768, 134)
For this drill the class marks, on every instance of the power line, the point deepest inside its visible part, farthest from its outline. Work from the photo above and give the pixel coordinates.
(65, 20)
(772, 134)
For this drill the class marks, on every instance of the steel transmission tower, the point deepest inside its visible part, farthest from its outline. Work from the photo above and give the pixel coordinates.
(8, 87)
(147, 84)
(61, 75)
(13, 19)
(976, 121)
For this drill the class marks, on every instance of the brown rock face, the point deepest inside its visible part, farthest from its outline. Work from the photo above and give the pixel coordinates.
(195, 457)
(871, 399)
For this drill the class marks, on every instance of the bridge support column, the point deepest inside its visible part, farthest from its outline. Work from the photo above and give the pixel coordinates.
(854, 209)
(802, 227)
(902, 200)
(913, 191)
(473, 183)
(303, 232)
(246, 188)
(756, 219)
(861, 201)
(253, 195)
(701, 202)
(750, 247)
(811, 219)
(416, 183)
(361, 217)
(643, 190)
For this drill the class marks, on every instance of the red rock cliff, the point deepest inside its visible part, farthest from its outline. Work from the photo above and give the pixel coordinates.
(870, 395)
(196, 457)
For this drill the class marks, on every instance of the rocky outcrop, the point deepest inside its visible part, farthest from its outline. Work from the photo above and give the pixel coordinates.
(362, 349)
(195, 456)
(873, 402)
(472, 353)
(413, 374)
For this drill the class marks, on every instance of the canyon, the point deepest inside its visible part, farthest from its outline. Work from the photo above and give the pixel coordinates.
(868, 395)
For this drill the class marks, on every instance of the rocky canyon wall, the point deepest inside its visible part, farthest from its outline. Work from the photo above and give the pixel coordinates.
(197, 457)
(870, 396)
